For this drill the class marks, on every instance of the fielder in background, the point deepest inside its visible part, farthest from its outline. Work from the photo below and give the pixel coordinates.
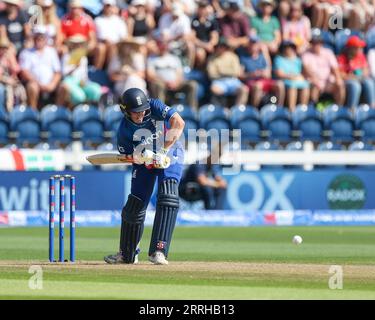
(149, 127)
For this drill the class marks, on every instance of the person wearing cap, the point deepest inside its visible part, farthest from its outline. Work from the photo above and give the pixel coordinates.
(356, 74)
(205, 33)
(165, 75)
(322, 71)
(140, 21)
(257, 74)
(76, 88)
(9, 69)
(297, 27)
(40, 69)
(234, 25)
(76, 21)
(15, 21)
(127, 69)
(289, 68)
(174, 29)
(224, 70)
(267, 26)
(110, 30)
(52, 23)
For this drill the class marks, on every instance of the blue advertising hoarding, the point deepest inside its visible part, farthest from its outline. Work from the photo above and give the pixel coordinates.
(255, 191)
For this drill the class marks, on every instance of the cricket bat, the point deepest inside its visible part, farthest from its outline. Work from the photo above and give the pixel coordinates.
(109, 158)
(113, 158)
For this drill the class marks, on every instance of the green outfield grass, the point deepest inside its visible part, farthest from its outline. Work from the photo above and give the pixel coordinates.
(205, 263)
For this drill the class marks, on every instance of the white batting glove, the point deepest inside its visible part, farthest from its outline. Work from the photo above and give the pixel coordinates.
(161, 160)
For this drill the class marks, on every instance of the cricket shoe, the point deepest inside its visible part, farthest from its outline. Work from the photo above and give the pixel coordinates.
(119, 259)
(158, 257)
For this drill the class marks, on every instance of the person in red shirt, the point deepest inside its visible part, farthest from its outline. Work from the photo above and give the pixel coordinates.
(355, 71)
(77, 22)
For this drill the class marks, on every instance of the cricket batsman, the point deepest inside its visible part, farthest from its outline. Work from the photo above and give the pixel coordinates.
(149, 132)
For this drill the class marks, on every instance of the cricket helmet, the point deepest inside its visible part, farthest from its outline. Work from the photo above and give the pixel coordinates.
(134, 100)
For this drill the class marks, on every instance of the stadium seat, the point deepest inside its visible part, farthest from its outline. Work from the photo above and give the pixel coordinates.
(4, 127)
(246, 118)
(341, 36)
(99, 76)
(107, 147)
(112, 117)
(24, 121)
(365, 121)
(360, 146)
(266, 145)
(308, 121)
(294, 146)
(44, 146)
(189, 116)
(213, 117)
(57, 122)
(329, 146)
(327, 36)
(87, 121)
(276, 120)
(340, 122)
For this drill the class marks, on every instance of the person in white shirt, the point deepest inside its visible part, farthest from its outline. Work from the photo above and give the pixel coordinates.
(165, 77)
(128, 66)
(40, 68)
(110, 30)
(174, 28)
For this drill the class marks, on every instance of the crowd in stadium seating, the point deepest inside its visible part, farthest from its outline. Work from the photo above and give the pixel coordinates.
(195, 52)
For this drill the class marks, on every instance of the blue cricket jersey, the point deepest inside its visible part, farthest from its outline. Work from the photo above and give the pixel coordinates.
(150, 132)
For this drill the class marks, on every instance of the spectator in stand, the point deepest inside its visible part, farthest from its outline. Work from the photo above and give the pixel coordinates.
(205, 33)
(323, 71)
(283, 9)
(140, 21)
(174, 29)
(267, 26)
(358, 14)
(110, 30)
(258, 73)
(127, 69)
(355, 71)
(15, 21)
(224, 70)
(76, 87)
(76, 21)
(297, 27)
(165, 76)
(10, 87)
(40, 69)
(246, 6)
(52, 24)
(288, 67)
(234, 25)
(321, 12)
